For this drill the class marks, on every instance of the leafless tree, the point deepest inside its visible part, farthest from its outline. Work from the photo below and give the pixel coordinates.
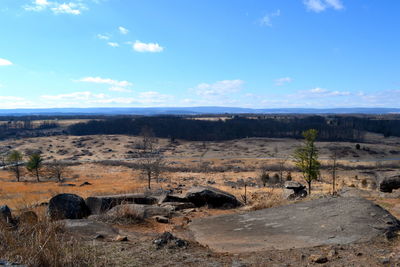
(334, 156)
(151, 161)
(57, 169)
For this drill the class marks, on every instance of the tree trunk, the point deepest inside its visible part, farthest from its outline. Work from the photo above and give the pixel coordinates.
(37, 174)
(309, 187)
(17, 172)
(149, 179)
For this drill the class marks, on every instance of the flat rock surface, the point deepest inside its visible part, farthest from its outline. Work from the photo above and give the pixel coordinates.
(89, 229)
(323, 221)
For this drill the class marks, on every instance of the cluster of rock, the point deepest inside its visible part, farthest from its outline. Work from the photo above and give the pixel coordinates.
(71, 206)
(389, 184)
(294, 190)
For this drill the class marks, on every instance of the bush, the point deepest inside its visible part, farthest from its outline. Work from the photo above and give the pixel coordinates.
(364, 183)
(358, 146)
(264, 177)
(289, 176)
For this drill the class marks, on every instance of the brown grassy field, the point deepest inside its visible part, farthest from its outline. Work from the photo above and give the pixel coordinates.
(191, 163)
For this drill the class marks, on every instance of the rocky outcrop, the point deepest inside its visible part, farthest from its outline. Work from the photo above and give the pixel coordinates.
(67, 206)
(323, 221)
(101, 204)
(389, 184)
(211, 197)
(5, 214)
(294, 190)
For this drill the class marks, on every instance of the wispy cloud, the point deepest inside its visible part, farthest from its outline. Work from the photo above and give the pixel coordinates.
(220, 88)
(120, 89)
(74, 96)
(72, 8)
(123, 30)
(147, 47)
(283, 81)
(113, 44)
(321, 5)
(103, 37)
(105, 81)
(267, 19)
(5, 62)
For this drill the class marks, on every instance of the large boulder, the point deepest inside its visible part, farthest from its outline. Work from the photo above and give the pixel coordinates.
(211, 197)
(294, 190)
(141, 211)
(67, 206)
(101, 204)
(5, 214)
(389, 184)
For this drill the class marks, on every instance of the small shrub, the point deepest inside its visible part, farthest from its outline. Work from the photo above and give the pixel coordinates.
(358, 146)
(289, 177)
(364, 183)
(264, 177)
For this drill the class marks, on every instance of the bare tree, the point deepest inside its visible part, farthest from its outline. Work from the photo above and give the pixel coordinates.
(281, 164)
(14, 160)
(151, 161)
(57, 169)
(334, 157)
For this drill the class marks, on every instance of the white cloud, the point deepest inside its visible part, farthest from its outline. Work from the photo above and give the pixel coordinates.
(267, 19)
(120, 89)
(74, 96)
(103, 37)
(283, 81)
(5, 62)
(321, 5)
(112, 44)
(123, 30)
(219, 88)
(10, 98)
(147, 47)
(73, 8)
(152, 97)
(105, 81)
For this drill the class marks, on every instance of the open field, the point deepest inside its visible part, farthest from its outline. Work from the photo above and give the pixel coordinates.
(107, 164)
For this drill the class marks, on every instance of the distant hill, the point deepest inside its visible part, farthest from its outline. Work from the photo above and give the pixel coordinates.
(192, 111)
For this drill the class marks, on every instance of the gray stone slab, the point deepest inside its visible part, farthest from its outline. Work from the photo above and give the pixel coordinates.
(307, 224)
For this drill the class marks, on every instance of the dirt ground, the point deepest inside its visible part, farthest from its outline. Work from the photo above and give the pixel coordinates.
(101, 161)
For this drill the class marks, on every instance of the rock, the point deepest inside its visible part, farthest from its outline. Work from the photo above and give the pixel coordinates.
(172, 198)
(168, 239)
(85, 183)
(294, 190)
(177, 206)
(7, 263)
(161, 219)
(67, 206)
(142, 211)
(389, 184)
(318, 222)
(5, 214)
(293, 195)
(101, 204)
(67, 184)
(121, 238)
(318, 259)
(28, 217)
(211, 197)
(88, 229)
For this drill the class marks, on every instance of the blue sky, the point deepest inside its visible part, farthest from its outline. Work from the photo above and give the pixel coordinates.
(239, 53)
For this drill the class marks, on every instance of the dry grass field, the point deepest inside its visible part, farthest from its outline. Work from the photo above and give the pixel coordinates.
(105, 164)
(220, 164)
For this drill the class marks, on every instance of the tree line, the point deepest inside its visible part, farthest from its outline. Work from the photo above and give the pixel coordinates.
(336, 129)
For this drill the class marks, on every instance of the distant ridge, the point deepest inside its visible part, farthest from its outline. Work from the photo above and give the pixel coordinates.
(192, 111)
